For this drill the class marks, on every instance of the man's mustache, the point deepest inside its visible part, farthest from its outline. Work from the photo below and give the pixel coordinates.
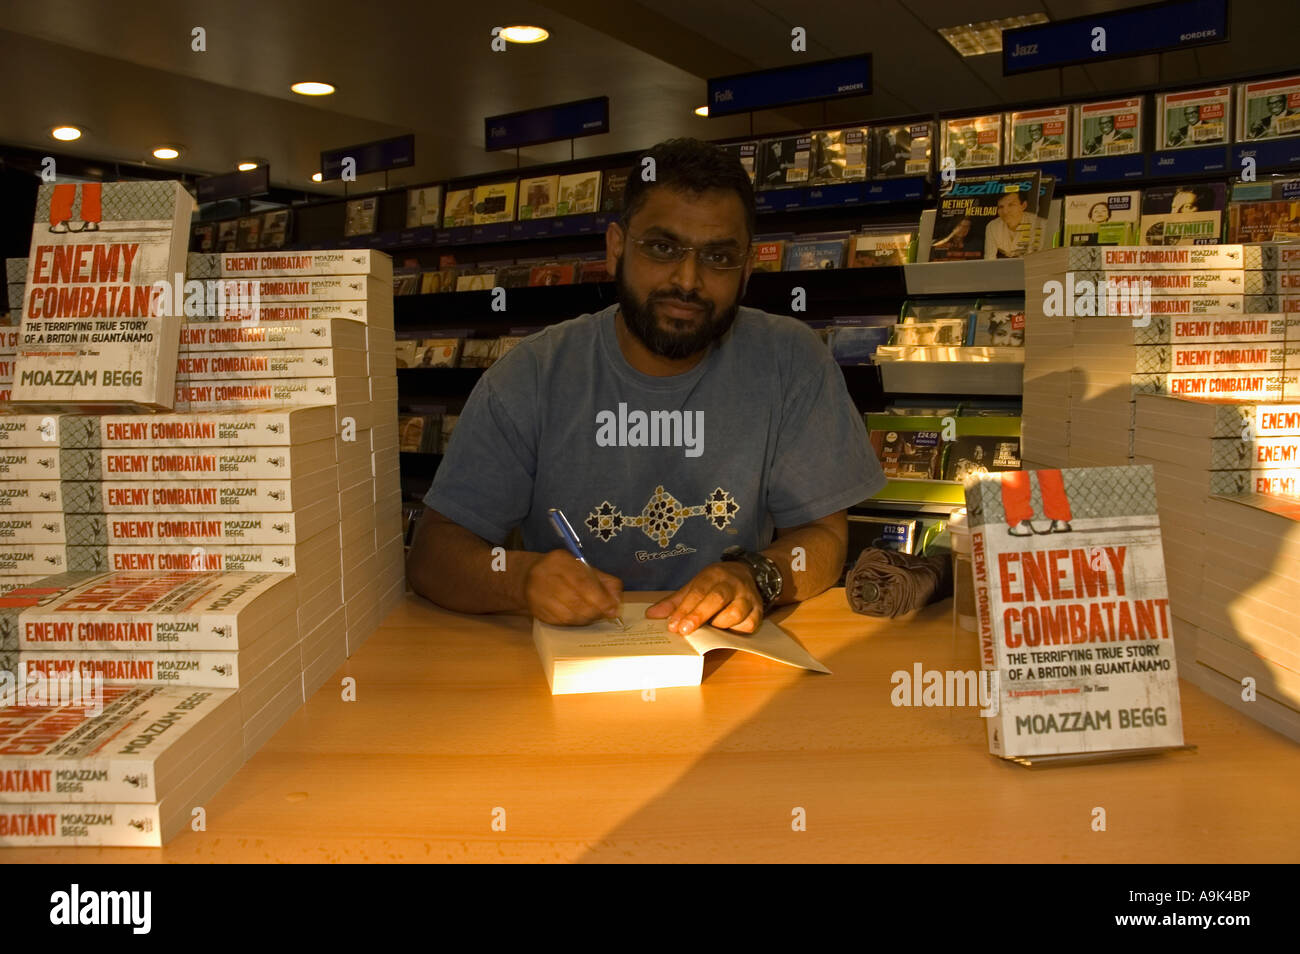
(684, 299)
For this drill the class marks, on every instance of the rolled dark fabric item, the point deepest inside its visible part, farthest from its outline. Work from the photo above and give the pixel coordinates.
(888, 583)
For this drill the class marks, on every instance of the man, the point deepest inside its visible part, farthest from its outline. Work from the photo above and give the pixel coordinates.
(669, 428)
(1267, 126)
(1008, 235)
(1186, 134)
(1107, 135)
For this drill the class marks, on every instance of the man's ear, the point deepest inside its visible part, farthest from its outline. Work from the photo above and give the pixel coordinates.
(614, 242)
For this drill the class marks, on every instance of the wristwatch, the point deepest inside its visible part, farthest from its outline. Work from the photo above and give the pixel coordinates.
(767, 575)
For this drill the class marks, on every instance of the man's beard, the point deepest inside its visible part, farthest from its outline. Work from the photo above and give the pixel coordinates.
(642, 322)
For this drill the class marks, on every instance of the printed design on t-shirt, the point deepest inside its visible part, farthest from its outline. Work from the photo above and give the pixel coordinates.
(662, 516)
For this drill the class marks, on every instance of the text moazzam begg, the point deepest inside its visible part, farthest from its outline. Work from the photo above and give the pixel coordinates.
(637, 428)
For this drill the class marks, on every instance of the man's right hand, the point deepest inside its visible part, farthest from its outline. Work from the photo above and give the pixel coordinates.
(560, 590)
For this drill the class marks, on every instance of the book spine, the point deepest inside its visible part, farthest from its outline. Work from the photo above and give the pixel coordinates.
(1244, 329)
(185, 529)
(129, 631)
(33, 528)
(1178, 257)
(216, 558)
(988, 639)
(91, 824)
(29, 430)
(1186, 283)
(363, 311)
(346, 288)
(1213, 358)
(1238, 385)
(200, 496)
(351, 262)
(211, 429)
(211, 396)
(199, 336)
(246, 463)
(31, 496)
(168, 667)
(304, 363)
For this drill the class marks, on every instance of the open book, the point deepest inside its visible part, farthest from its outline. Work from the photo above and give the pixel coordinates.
(601, 657)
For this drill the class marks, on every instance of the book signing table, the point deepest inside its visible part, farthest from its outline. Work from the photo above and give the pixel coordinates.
(455, 750)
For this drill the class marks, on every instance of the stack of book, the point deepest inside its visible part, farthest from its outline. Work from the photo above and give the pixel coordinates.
(1109, 322)
(200, 630)
(1226, 488)
(350, 285)
(127, 773)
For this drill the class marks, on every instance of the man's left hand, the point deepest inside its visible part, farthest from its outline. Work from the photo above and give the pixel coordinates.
(723, 594)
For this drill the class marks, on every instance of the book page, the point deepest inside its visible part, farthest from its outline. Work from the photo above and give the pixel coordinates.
(642, 637)
(769, 641)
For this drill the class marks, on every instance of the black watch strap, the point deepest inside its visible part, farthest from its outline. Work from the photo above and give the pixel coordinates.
(767, 575)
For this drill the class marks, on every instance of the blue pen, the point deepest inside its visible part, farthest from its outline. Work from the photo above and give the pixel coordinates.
(571, 543)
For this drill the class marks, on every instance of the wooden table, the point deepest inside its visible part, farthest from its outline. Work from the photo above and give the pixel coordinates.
(453, 722)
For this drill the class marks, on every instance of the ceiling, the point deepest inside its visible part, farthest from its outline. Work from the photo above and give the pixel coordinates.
(126, 72)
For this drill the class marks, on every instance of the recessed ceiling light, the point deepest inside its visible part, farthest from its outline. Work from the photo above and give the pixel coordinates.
(524, 34)
(166, 152)
(312, 88)
(976, 39)
(246, 166)
(701, 110)
(65, 133)
(317, 177)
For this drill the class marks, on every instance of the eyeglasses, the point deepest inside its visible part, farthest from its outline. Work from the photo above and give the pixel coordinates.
(665, 252)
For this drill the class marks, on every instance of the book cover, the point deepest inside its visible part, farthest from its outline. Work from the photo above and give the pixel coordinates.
(359, 216)
(558, 274)
(948, 332)
(746, 154)
(538, 196)
(1194, 117)
(902, 150)
(594, 272)
(840, 155)
(95, 331)
(967, 456)
(1111, 128)
(784, 162)
(879, 533)
(459, 210)
(250, 233)
(806, 253)
(228, 236)
(579, 193)
(1183, 214)
(1073, 611)
(1268, 109)
(874, 247)
(1102, 218)
(997, 328)
(495, 202)
(908, 454)
(853, 340)
(973, 142)
(437, 352)
(1264, 211)
(615, 186)
(769, 255)
(204, 239)
(424, 207)
(986, 216)
(275, 229)
(1038, 135)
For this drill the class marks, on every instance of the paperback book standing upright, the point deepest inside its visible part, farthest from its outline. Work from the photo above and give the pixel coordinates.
(96, 331)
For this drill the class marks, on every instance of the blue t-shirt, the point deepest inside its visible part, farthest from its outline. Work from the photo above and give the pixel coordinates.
(656, 474)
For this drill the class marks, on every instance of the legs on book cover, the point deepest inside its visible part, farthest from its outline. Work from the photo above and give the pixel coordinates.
(1018, 504)
(64, 197)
